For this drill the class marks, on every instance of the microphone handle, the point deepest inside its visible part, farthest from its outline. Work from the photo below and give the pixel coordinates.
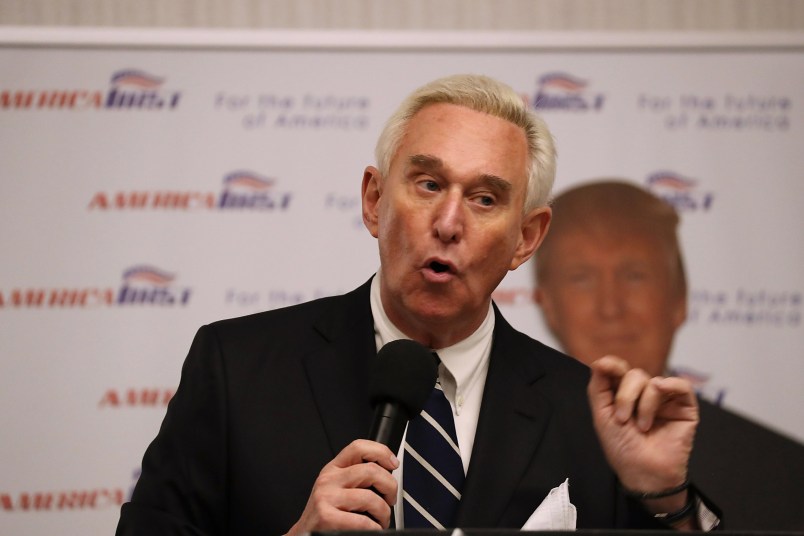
(388, 425)
(387, 428)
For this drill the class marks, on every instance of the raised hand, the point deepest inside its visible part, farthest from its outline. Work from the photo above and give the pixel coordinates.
(646, 427)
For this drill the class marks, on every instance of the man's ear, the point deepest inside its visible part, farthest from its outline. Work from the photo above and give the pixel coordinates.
(534, 228)
(370, 194)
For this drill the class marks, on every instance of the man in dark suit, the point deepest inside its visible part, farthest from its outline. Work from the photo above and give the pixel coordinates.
(263, 434)
(620, 288)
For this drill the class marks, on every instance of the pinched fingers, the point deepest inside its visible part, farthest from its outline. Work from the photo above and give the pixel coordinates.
(679, 401)
(615, 387)
(645, 425)
(631, 393)
(677, 387)
(650, 398)
(625, 393)
(606, 375)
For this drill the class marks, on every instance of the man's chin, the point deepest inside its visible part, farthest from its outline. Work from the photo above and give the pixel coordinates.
(436, 314)
(439, 313)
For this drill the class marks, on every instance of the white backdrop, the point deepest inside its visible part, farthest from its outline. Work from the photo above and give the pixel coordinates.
(147, 190)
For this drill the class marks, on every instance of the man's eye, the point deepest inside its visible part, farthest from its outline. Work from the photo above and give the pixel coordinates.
(431, 185)
(579, 278)
(635, 277)
(486, 200)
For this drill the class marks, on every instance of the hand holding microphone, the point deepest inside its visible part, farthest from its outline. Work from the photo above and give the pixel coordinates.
(347, 488)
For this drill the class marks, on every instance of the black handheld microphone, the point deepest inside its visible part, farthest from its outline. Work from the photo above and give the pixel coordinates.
(404, 375)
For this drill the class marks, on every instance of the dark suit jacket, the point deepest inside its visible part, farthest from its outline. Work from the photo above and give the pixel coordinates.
(754, 474)
(265, 401)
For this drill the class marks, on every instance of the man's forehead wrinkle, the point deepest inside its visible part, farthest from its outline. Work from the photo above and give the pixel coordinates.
(434, 163)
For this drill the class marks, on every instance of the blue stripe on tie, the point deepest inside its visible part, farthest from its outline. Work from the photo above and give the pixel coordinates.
(433, 471)
(431, 446)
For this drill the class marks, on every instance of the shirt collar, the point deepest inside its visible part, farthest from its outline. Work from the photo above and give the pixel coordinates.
(465, 361)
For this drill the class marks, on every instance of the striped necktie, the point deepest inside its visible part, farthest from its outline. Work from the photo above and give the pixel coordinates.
(432, 477)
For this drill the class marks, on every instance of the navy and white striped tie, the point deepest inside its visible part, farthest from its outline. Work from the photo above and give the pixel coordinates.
(432, 477)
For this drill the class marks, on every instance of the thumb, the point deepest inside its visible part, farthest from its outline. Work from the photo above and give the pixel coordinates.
(606, 375)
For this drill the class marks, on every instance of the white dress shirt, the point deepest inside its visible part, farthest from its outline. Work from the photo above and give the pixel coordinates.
(462, 373)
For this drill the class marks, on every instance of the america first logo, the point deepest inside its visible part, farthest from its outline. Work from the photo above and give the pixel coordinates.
(682, 192)
(129, 89)
(241, 190)
(142, 286)
(565, 92)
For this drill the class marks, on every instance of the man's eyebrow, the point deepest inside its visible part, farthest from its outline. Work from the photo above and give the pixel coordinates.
(496, 183)
(429, 162)
(426, 161)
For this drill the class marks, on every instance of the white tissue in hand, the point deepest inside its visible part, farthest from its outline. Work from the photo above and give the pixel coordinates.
(555, 513)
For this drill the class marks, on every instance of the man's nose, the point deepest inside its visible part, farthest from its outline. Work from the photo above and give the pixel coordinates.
(610, 298)
(449, 218)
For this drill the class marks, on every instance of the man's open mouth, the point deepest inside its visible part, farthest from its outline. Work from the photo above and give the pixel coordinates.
(439, 268)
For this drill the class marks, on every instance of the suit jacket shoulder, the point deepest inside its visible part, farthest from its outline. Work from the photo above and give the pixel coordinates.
(264, 402)
(754, 474)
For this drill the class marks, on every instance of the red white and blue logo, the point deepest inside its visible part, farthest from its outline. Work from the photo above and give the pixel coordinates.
(241, 190)
(565, 92)
(247, 190)
(129, 89)
(142, 285)
(147, 285)
(682, 192)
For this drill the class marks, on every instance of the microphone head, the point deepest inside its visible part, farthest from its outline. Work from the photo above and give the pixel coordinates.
(404, 372)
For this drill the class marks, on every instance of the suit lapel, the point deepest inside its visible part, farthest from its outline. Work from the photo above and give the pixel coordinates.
(513, 416)
(512, 422)
(338, 367)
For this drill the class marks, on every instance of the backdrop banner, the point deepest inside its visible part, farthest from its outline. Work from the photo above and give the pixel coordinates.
(152, 187)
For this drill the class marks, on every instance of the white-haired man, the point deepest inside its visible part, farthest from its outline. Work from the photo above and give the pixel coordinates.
(263, 434)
